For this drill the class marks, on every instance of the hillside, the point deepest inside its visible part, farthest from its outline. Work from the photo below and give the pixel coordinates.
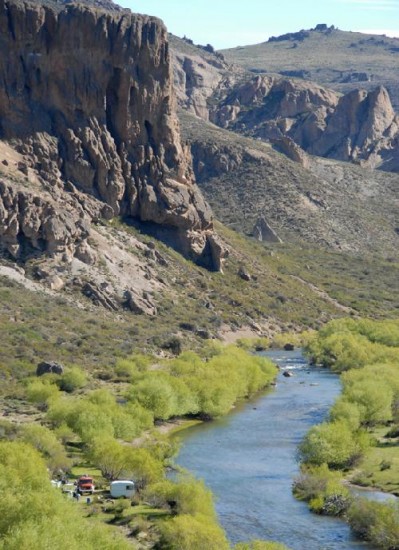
(338, 59)
(330, 204)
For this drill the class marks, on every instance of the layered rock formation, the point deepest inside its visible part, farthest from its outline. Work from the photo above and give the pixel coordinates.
(86, 97)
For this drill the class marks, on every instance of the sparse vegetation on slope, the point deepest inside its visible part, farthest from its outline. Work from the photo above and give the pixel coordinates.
(330, 204)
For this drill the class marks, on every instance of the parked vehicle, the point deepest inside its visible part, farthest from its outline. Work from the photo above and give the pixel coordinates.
(85, 484)
(122, 488)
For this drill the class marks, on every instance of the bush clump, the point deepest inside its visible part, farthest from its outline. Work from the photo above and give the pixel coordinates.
(323, 490)
(193, 385)
(376, 522)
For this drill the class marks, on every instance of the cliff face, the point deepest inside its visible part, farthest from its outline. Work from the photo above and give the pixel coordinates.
(86, 97)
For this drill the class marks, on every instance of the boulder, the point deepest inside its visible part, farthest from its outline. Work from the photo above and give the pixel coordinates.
(264, 233)
(244, 274)
(289, 347)
(55, 282)
(99, 296)
(49, 367)
(288, 374)
(141, 305)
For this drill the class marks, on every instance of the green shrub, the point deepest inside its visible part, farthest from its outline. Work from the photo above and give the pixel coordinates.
(344, 410)
(73, 379)
(345, 344)
(46, 442)
(130, 367)
(41, 391)
(323, 490)
(332, 443)
(8, 430)
(376, 522)
(192, 533)
(116, 460)
(187, 496)
(156, 394)
(99, 413)
(190, 384)
(254, 344)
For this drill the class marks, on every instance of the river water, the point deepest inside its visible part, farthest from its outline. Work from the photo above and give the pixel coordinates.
(248, 460)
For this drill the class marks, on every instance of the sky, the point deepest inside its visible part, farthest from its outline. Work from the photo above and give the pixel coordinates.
(230, 23)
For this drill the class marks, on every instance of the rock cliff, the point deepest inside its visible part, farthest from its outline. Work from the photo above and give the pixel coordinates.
(86, 98)
(359, 126)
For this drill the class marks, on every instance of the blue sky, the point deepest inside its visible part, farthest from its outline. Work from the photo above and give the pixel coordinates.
(229, 23)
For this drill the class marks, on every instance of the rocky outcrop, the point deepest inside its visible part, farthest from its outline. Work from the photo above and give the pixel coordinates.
(195, 82)
(270, 106)
(87, 96)
(264, 233)
(330, 204)
(294, 115)
(140, 304)
(50, 367)
(362, 127)
(292, 150)
(35, 224)
(201, 76)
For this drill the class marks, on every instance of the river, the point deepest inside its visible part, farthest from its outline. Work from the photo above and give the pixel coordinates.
(248, 460)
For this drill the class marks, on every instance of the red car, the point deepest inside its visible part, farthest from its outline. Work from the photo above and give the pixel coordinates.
(85, 485)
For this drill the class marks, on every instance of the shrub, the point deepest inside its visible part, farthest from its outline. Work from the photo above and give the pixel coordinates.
(156, 394)
(34, 515)
(375, 521)
(187, 496)
(345, 343)
(41, 391)
(73, 379)
(130, 367)
(253, 344)
(116, 460)
(99, 413)
(332, 443)
(348, 412)
(192, 385)
(323, 490)
(192, 533)
(46, 442)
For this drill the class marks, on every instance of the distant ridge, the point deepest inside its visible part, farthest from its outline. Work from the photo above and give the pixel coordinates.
(341, 60)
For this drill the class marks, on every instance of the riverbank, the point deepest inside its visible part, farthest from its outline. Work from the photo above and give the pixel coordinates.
(359, 441)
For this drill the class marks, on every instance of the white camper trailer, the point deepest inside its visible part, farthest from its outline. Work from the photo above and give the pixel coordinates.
(122, 488)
